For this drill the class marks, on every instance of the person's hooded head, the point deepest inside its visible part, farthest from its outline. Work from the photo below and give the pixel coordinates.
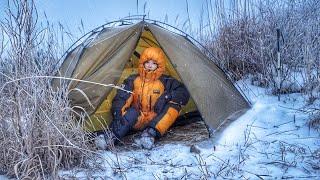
(151, 63)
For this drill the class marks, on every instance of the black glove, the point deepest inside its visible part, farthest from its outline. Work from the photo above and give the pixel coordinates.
(161, 102)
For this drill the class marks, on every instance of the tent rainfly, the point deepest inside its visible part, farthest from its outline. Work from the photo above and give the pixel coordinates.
(110, 55)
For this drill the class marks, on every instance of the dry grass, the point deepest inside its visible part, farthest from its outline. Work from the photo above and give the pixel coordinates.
(187, 134)
(244, 39)
(314, 121)
(39, 133)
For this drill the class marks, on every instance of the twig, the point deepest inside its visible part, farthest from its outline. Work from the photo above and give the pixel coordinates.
(73, 79)
(282, 132)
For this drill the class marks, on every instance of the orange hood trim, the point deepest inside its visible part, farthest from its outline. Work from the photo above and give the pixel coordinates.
(152, 53)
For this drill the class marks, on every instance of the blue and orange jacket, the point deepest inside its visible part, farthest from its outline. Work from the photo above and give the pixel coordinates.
(147, 87)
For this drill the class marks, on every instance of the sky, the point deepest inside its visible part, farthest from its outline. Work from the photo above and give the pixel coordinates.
(94, 13)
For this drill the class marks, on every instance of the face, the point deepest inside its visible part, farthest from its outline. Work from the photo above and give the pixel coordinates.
(150, 65)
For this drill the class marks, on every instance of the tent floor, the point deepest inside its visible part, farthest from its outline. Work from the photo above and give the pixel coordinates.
(187, 134)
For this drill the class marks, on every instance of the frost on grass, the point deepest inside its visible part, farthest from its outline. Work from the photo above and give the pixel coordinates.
(39, 133)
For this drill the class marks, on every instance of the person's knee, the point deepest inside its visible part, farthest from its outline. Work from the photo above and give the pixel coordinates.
(131, 116)
(121, 126)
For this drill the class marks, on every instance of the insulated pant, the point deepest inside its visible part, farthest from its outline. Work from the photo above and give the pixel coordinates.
(121, 126)
(161, 123)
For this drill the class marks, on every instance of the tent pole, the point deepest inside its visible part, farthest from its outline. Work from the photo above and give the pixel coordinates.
(138, 18)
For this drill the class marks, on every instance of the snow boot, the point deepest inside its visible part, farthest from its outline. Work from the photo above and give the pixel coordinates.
(105, 141)
(146, 139)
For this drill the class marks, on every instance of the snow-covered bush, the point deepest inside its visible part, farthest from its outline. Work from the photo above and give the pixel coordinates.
(314, 121)
(246, 41)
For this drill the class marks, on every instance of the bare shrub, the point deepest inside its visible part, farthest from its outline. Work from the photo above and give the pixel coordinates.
(39, 134)
(246, 42)
(314, 121)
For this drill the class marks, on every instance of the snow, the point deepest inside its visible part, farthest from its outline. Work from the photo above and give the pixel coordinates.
(270, 141)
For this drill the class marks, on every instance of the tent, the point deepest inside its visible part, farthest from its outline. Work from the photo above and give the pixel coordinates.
(109, 54)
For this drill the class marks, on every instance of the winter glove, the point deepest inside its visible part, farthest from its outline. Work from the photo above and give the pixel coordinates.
(161, 102)
(146, 139)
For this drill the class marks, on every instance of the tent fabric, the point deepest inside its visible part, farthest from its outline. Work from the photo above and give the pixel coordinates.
(102, 61)
(102, 116)
(104, 56)
(215, 96)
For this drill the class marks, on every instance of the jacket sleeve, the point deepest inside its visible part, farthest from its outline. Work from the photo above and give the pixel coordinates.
(123, 99)
(178, 92)
(179, 96)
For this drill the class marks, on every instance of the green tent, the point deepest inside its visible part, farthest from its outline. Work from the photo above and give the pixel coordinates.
(110, 54)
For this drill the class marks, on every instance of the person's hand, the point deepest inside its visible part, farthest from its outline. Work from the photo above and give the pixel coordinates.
(161, 102)
(130, 116)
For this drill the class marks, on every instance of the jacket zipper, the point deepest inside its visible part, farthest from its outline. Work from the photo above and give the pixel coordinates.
(139, 102)
(140, 96)
(150, 103)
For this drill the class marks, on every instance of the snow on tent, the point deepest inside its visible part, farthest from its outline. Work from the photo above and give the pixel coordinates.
(108, 55)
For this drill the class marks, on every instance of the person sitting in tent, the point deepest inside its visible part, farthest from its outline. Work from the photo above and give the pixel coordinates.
(154, 104)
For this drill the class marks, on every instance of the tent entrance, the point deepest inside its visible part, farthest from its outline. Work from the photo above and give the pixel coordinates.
(102, 116)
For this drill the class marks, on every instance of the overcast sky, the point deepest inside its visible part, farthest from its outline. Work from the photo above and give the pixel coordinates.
(94, 13)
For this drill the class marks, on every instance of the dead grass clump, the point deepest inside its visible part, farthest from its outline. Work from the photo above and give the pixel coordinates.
(314, 122)
(244, 40)
(39, 134)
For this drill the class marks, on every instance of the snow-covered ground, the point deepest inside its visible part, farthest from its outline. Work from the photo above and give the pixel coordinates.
(271, 141)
